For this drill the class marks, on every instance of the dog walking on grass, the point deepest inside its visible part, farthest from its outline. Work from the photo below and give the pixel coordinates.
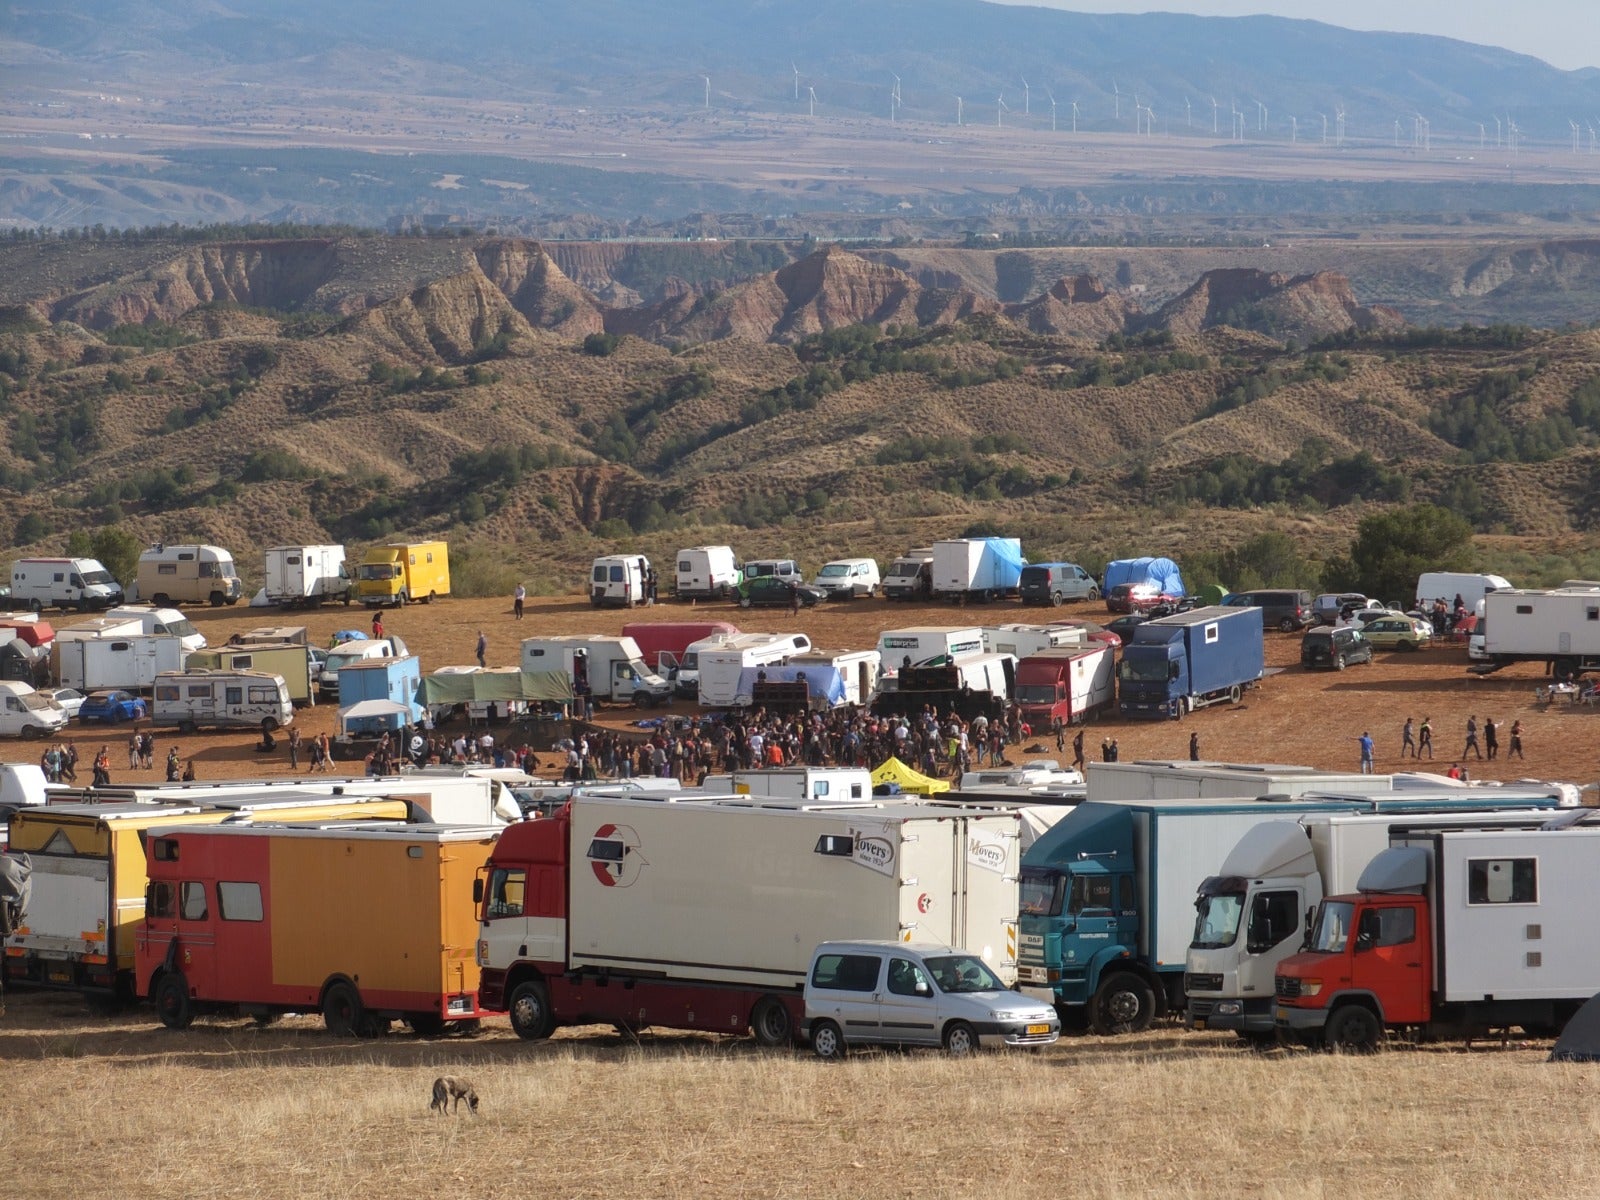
(449, 1092)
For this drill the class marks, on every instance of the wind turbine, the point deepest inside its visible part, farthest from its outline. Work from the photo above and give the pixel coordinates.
(958, 110)
(1137, 109)
(707, 78)
(1149, 121)
(812, 92)
(1338, 127)
(1027, 110)
(796, 71)
(1188, 117)
(1294, 130)
(1000, 109)
(1052, 96)
(894, 98)
(1482, 134)
(1397, 133)
(1116, 95)
(1213, 116)
(1573, 125)
(1324, 117)
(1074, 116)
(1261, 116)
(1497, 131)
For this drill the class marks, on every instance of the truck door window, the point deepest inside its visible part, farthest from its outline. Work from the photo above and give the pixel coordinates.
(192, 901)
(1125, 893)
(1274, 916)
(1090, 892)
(1386, 927)
(506, 889)
(158, 902)
(1502, 881)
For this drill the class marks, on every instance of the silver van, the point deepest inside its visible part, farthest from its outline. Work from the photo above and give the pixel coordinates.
(910, 994)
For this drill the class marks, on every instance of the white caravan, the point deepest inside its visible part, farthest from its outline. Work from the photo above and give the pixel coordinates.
(223, 699)
(721, 666)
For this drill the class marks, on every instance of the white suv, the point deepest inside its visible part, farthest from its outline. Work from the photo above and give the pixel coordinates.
(900, 993)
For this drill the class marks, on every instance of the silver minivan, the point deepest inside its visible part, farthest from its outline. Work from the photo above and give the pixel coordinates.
(909, 994)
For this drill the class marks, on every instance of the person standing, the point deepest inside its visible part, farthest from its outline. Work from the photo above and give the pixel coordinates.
(794, 597)
(1407, 742)
(1366, 752)
(517, 597)
(1516, 740)
(133, 750)
(483, 648)
(1116, 751)
(1472, 737)
(1194, 746)
(1425, 738)
(377, 625)
(1491, 738)
(102, 768)
(174, 769)
(294, 747)
(1077, 750)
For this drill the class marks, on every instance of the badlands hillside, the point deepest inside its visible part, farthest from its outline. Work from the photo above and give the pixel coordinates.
(353, 388)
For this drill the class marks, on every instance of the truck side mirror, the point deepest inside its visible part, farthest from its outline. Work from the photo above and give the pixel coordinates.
(1172, 670)
(477, 891)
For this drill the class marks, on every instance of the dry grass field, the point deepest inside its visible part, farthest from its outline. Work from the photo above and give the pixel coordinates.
(117, 1105)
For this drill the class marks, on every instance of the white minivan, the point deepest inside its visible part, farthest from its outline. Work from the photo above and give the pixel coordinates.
(911, 994)
(847, 578)
(619, 580)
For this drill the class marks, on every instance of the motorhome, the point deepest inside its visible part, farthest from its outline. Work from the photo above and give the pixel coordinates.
(160, 620)
(80, 583)
(619, 580)
(355, 650)
(301, 576)
(172, 575)
(722, 666)
(707, 573)
(221, 699)
(404, 571)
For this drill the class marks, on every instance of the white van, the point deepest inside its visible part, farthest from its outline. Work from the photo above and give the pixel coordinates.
(188, 575)
(162, 620)
(684, 672)
(618, 580)
(190, 699)
(847, 578)
(80, 583)
(1447, 585)
(783, 568)
(707, 573)
(26, 713)
(355, 650)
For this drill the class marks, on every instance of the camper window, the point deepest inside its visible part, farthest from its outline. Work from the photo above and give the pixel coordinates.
(293, 560)
(242, 662)
(192, 901)
(239, 901)
(1502, 881)
(199, 691)
(233, 695)
(261, 694)
(166, 692)
(166, 568)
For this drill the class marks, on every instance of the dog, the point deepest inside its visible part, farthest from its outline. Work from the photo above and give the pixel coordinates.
(449, 1092)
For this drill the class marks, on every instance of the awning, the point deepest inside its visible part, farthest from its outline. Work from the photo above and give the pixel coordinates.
(895, 771)
(499, 684)
(366, 709)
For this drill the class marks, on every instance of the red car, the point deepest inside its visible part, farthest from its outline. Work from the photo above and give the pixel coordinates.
(1138, 598)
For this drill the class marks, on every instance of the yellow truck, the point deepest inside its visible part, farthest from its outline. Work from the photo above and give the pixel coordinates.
(403, 571)
(365, 922)
(89, 878)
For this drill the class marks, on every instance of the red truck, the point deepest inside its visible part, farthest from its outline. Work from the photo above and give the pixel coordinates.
(673, 637)
(1066, 686)
(1452, 932)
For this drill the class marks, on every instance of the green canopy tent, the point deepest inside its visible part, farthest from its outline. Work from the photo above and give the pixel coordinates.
(1211, 593)
(501, 684)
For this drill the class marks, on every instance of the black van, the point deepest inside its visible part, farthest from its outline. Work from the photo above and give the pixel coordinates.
(1054, 583)
(1335, 646)
(1281, 608)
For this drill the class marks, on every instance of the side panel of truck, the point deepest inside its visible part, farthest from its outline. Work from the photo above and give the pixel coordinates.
(290, 661)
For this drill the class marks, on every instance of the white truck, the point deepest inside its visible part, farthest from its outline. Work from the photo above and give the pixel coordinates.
(304, 576)
(116, 660)
(26, 713)
(707, 573)
(910, 577)
(852, 784)
(917, 644)
(355, 650)
(1251, 915)
(1161, 779)
(633, 912)
(980, 568)
(968, 684)
(160, 620)
(1023, 640)
(80, 583)
(600, 666)
(1559, 627)
(722, 666)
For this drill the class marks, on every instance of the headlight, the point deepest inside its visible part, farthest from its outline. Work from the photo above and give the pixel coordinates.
(1229, 1008)
(1310, 987)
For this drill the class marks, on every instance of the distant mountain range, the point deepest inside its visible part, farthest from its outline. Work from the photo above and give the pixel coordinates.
(767, 55)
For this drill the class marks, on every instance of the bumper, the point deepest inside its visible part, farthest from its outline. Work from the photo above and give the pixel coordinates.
(1299, 1020)
(1239, 1016)
(1016, 1034)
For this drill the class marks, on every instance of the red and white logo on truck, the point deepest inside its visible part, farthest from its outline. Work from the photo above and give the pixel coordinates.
(614, 855)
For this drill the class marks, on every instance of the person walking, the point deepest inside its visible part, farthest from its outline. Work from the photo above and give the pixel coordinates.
(483, 647)
(174, 766)
(1407, 741)
(1472, 737)
(1366, 752)
(1516, 741)
(1194, 746)
(1077, 750)
(517, 597)
(1425, 738)
(102, 768)
(1491, 738)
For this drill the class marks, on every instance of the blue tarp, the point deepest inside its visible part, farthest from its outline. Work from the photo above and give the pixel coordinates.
(823, 684)
(1162, 572)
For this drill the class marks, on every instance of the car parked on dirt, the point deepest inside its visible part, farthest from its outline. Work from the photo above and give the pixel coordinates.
(113, 708)
(1138, 598)
(1327, 608)
(1397, 631)
(1287, 609)
(1123, 627)
(69, 699)
(1336, 646)
(775, 590)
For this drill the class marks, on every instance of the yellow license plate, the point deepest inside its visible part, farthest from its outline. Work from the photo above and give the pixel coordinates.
(1032, 1029)
(1199, 1022)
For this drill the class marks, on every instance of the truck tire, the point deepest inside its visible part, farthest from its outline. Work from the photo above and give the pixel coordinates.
(642, 700)
(172, 1001)
(1234, 693)
(1124, 1003)
(217, 599)
(960, 1039)
(529, 1008)
(161, 600)
(269, 724)
(1565, 669)
(1353, 1029)
(425, 1024)
(771, 1023)
(827, 1041)
(342, 1011)
(400, 599)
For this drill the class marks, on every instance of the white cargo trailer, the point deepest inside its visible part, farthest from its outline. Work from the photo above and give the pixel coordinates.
(1182, 780)
(115, 660)
(307, 575)
(1559, 627)
(917, 644)
(1023, 640)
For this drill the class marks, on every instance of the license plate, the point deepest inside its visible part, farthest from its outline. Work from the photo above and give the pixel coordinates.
(1199, 1023)
(1282, 1014)
(1033, 1029)
(60, 976)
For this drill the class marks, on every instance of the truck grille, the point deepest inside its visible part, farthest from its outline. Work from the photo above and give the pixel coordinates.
(1202, 983)
(1287, 988)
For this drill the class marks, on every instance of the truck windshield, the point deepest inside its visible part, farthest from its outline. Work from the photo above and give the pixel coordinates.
(1042, 892)
(1333, 926)
(182, 627)
(1144, 668)
(956, 973)
(90, 578)
(379, 570)
(1216, 922)
(834, 570)
(906, 568)
(1036, 693)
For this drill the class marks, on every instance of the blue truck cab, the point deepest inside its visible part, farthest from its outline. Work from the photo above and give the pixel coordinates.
(1179, 663)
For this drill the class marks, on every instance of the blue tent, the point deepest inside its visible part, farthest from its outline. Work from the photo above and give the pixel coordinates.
(1162, 572)
(823, 684)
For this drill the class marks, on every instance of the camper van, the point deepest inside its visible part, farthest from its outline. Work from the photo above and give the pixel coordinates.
(80, 583)
(404, 571)
(722, 666)
(355, 650)
(191, 699)
(161, 620)
(26, 713)
(307, 575)
(619, 580)
(600, 667)
(848, 578)
(707, 573)
(170, 575)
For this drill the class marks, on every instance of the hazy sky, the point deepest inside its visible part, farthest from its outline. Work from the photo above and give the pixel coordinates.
(1565, 33)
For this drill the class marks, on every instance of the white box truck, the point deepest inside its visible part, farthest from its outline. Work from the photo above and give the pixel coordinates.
(304, 576)
(1559, 627)
(634, 913)
(600, 666)
(917, 644)
(982, 568)
(116, 660)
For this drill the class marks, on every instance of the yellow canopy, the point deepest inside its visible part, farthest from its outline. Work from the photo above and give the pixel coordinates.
(895, 771)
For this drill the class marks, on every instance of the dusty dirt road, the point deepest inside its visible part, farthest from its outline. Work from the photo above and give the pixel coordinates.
(1294, 716)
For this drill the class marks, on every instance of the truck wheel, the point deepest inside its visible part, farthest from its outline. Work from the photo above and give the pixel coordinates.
(770, 1022)
(1124, 1003)
(269, 724)
(161, 600)
(217, 599)
(959, 1039)
(530, 1011)
(1353, 1030)
(172, 1001)
(428, 599)
(1565, 669)
(1233, 694)
(342, 1012)
(265, 1020)
(826, 1040)
(425, 1024)
(400, 600)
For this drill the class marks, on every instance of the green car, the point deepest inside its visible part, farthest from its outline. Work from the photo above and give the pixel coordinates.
(1398, 633)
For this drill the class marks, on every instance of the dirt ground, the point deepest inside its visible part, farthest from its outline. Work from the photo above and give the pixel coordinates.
(1294, 716)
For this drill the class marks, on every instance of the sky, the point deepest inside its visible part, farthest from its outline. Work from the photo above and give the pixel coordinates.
(1565, 33)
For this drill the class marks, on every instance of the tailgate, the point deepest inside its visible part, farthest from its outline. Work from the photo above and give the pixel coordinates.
(67, 911)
